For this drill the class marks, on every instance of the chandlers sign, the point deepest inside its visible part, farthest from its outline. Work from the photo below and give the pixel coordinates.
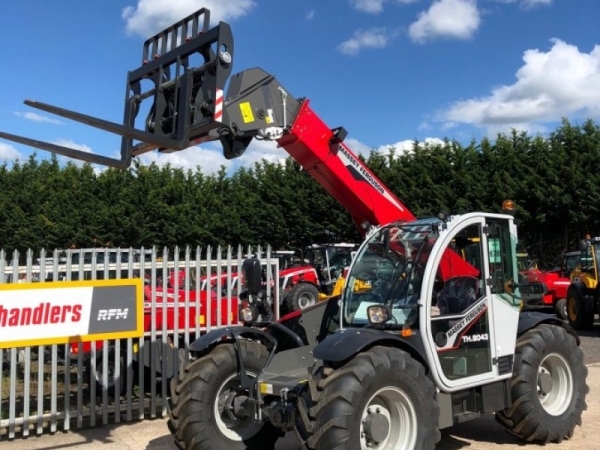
(71, 311)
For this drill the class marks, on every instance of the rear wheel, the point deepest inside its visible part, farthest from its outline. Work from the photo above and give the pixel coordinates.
(206, 402)
(576, 311)
(108, 376)
(381, 399)
(548, 387)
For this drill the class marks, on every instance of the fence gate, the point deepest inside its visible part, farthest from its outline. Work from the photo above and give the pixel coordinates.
(83, 384)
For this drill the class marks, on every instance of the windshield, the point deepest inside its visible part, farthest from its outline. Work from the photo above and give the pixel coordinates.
(523, 261)
(388, 270)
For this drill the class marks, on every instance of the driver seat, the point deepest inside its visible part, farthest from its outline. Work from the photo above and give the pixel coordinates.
(457, 295)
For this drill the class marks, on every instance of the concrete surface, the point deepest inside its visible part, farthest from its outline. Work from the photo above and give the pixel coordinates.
(479, 434)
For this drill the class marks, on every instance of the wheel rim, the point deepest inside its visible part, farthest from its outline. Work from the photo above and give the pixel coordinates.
(389, 421)
(572, 309)
(555, 384)
(563, 311)
(110, 376)
(234, 429)
(305, 300)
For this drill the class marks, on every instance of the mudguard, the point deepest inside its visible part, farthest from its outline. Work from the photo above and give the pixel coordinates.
(346, 343)
(531, 319)
(228, 334)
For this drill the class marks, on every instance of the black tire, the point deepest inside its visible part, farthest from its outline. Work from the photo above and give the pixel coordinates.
(301, 297)
(354, 403)
(548, 387)
(576, 314)
(195, 395)
(112, 381)
(561, 309)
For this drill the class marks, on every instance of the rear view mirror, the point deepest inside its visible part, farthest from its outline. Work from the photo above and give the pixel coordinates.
(253, 275)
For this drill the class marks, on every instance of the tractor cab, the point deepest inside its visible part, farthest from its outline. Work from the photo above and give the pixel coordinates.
(412, 278)
(330, 260)
(585, 268)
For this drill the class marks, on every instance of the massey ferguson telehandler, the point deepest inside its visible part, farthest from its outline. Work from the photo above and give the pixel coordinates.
(420, 338)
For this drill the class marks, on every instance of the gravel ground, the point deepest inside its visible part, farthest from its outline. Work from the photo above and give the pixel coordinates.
(480, 434)
(469, 434)
(590, 343)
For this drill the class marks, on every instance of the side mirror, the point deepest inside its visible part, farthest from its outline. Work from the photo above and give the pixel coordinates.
(253, 275)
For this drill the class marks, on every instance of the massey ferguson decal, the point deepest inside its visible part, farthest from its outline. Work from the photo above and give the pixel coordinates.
(62, 312)
(359, 172)
(453, 338)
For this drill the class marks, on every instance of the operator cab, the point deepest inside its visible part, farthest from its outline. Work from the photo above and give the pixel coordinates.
(330, 260)
(452, 283)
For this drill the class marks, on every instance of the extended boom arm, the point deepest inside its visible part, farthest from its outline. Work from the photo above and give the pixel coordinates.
(189, 107)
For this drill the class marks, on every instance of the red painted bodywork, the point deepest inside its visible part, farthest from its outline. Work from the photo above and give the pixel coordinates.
(556, 284)
(335, 167)
(173, 315)
(310, 143)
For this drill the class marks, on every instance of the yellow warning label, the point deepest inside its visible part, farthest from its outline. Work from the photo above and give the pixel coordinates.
(266, 388)
(246, 111)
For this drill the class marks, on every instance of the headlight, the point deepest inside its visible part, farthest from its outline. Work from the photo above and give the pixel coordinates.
(378, 314)
(247, 315)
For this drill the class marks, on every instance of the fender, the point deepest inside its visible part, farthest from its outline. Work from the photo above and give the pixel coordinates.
(346, 343)
(531, 319)
(228, 334)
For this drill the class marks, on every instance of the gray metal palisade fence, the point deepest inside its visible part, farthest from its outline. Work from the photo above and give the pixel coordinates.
(187, 291)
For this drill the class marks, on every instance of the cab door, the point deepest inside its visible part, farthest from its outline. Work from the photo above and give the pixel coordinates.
(459, 316)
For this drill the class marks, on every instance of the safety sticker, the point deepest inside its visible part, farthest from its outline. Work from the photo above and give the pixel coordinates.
(246, 110)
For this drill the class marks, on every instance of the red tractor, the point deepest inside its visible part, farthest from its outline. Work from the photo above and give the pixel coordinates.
(320, 275)
(555, 285)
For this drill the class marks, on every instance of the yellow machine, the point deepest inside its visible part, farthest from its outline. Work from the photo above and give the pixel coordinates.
(582, 295)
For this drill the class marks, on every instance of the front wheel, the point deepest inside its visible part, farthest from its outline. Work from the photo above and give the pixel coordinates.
(301, 297)
(548, 387)
(381, 399)
(576, 311)
(208, 408)
(561, 309)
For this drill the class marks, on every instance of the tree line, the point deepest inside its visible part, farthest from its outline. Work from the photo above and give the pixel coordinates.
(554, 181)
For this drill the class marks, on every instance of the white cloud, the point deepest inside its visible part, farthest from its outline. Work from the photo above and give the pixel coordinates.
(400, 147)
(407, 145)
(526, 4)
(310, 15)
(34, 117)
(151, 16)
(357, 147)
(9, 154)
(454, 19)
(209, 157)
(72, 144)
(549, 85)
(372, 38)
(374, 6)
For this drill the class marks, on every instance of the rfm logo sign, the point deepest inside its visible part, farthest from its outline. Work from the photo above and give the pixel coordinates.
(110, 314)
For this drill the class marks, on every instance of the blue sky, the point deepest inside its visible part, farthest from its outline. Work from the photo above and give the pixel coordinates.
(389, 71)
